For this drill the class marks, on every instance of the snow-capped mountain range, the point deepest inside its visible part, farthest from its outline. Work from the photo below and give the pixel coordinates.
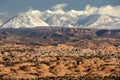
(106, 17)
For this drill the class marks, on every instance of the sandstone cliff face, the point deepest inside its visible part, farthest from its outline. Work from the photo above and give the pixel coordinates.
(107, 48)
(54, 36)
(64, 47)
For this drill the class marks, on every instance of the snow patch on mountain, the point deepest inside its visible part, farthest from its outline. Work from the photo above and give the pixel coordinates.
(109, 10)
(106, 22)
(29, 19)
(106, 17)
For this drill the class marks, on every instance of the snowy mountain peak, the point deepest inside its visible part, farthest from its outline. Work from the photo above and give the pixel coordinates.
(106, 17)
(29, 19)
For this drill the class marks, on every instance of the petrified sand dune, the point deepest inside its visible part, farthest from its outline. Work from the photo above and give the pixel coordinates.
(59, 52)
(36, 61)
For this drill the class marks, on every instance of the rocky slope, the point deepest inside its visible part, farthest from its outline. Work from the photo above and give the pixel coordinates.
(54, 36)
(59, 52)
(22, 61)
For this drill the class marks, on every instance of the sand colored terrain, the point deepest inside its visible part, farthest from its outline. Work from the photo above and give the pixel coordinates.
(23, 61)
(59, 53)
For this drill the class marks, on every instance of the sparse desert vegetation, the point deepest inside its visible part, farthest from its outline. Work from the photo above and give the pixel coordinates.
(22, 61)
(59, 54)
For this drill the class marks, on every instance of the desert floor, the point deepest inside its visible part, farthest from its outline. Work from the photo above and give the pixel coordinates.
(23, 61)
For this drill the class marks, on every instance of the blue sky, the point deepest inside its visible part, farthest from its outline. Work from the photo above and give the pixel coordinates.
(14, 6)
